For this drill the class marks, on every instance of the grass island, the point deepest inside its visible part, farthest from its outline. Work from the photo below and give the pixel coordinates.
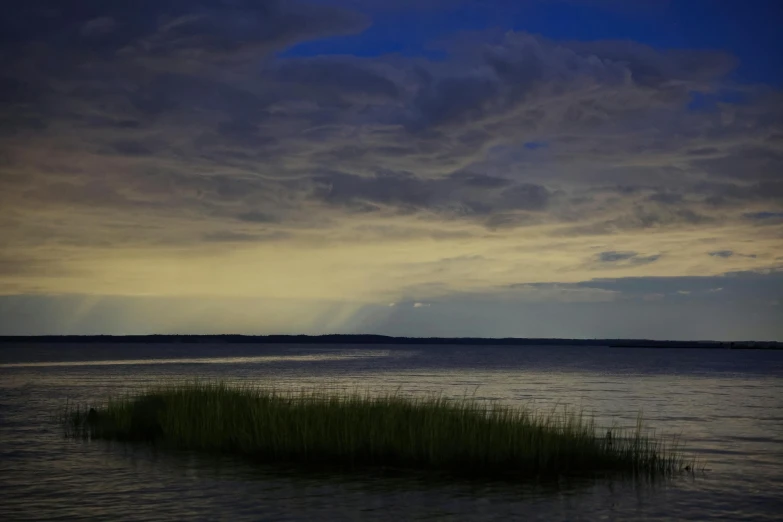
(349, 430)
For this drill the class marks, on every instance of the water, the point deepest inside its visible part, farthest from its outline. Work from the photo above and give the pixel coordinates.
(726, 405)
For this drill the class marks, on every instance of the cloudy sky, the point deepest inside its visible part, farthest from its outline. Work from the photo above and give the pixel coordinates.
(540, 168)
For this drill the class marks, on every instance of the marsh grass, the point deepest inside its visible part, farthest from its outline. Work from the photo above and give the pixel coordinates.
(352, 430)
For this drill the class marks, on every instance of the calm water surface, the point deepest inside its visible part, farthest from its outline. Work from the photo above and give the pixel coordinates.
(726, 405)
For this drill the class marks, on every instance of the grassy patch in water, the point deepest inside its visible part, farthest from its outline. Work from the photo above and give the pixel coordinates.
(349, 430)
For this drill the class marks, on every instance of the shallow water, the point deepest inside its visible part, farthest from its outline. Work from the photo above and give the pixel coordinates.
(727, 406)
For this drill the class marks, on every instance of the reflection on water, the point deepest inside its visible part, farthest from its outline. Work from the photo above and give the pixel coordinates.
(200, 360)
(726, 405)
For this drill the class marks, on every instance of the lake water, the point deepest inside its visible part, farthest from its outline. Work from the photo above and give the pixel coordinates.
(727, 406)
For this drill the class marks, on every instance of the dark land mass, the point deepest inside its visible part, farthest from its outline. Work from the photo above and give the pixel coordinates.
(383, 339)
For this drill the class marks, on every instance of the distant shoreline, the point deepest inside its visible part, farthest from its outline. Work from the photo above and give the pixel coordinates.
(389, 340)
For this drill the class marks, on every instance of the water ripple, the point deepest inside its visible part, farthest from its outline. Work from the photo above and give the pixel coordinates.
(724, 405)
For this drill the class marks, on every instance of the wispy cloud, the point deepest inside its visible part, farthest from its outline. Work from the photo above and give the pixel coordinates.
(626, 258)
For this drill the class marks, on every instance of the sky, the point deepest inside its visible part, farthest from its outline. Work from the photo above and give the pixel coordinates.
(525, 168)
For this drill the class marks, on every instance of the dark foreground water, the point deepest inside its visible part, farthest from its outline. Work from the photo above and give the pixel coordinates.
(726, 405)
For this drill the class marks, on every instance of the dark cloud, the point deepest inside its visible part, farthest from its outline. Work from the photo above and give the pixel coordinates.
(17, 92)
(454, 100)
(610, 257)
(525, 196)
(459, 194)
(739, 193)
(131, 148)
(519, 68)
(316, 75)
(650, 218)
(99, 195)
(505, 75)
(734, 287)
(507, 132)
(400, 189)
(160, 28)
(640, 218)
(741, 285)
(725, 254)
(169, 92)
(626, 258)
(242, 132)
(751, 163)
(765, 217)
(257, 217)
(480, 181)
(228, 236)
(113, 61)
(498, 221)
(653, 68)
(667, 198)
(703, 151)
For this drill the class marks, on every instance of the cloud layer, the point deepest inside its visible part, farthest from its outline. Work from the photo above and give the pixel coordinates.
(168, 150)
